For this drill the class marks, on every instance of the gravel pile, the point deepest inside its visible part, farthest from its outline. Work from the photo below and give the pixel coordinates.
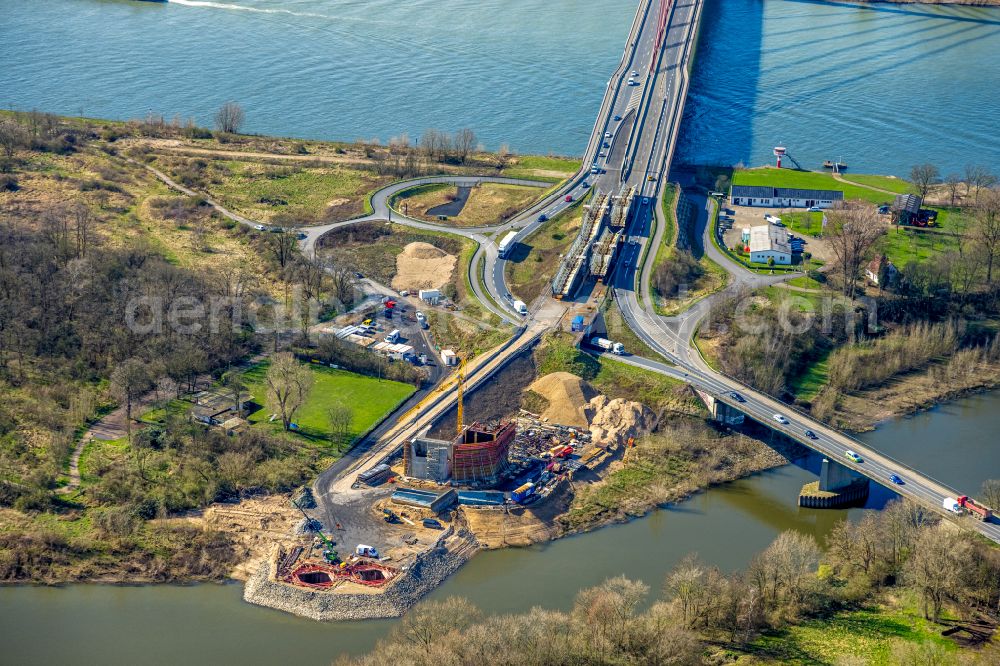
(427, 572)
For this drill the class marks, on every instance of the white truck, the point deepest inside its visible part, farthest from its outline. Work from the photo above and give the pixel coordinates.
(608, 345)
(507, 244)
(366, 551)
(521, 307)
(393, 337)
(951, 504)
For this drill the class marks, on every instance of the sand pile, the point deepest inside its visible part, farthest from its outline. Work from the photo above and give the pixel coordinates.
(423, 266)
(614, 421)
(568, 397)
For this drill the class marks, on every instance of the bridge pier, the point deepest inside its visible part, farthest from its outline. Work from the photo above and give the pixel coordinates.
(838, 486)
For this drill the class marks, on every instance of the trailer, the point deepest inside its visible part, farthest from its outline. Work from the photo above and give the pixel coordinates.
(507, 244)
(523, 493)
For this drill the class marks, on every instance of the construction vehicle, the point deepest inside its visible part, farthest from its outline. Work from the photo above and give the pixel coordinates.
(607, 345)
(978, 511)
(390, 516)
(329, 552)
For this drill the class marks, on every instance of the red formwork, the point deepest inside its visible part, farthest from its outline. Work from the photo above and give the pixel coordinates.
(479, 455)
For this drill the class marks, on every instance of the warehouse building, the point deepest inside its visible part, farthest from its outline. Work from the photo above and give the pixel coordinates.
(783, 197)
(770, 242)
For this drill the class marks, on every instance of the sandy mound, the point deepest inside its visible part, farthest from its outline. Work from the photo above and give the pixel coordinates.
(614, 421)
(568, 396)
(423, 266)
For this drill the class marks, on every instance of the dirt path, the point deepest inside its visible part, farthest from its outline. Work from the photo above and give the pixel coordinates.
(837, 176)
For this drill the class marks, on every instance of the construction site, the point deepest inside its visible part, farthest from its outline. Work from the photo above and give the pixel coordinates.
(414, 516)
(602, 233)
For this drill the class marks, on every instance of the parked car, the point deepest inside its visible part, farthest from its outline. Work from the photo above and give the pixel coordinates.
(815, 209)
(853, 456)
(433, 523)
(259, 227)
(895, 478)
(781, 419)
(737, 397)
(359, 276)
(302, 235)
(811, 435)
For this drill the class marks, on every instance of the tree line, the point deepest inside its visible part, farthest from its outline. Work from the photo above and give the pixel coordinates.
(703, 615)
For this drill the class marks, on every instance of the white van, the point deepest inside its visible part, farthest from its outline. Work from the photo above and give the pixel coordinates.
(393, 337)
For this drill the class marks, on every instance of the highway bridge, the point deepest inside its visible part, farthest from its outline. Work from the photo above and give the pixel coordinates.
(639, 123)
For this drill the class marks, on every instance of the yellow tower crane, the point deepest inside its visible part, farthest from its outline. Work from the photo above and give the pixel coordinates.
(461, 390)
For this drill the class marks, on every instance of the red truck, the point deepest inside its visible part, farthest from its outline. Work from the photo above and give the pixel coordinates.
(978, 511)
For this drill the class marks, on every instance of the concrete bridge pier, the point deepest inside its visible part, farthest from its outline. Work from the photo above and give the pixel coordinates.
(838, 486)
(719, 410)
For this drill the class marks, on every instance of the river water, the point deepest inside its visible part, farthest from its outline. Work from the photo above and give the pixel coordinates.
(209, 624)
(828, 80)
(882, 86)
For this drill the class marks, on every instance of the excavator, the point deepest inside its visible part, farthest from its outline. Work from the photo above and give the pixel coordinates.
(329, 552)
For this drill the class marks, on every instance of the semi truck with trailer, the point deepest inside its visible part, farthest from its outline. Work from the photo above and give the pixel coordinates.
(507, 244)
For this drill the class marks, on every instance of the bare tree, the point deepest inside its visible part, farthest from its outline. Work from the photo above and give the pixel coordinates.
(235, 384)
(986, 230)
(977, 177)
(82, 219)
(990, 493)
(288, 385)
(340, 416)
(923, 176)
(936, 567)
(12, 136)
(953, 182)
(465, 143)
(129, 381)
(229, 118)
(851, 230)
(282, 245)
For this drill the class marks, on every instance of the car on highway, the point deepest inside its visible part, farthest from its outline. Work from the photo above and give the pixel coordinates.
(853, 456)
(603, 155)
(645, 200)
(736, 396)
(633, 82)
(634, 73)
(617, 117)
(607, 135)
(584, 184)
(543, 217)
(607, 145)
(811, 435)
(780, 419)
(569, 197)
(895, 478)
(651, 178)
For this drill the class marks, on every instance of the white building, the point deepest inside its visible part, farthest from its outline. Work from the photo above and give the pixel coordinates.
(783, 197)
(431, 296)
(770, 242)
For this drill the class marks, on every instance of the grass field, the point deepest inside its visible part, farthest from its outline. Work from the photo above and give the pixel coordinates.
(540, 167)
(534, 261)
(488, 204)
(807, 385)
(868, 634)
(905, 245)
(807, 180)
(369, 398)
(805, 282)
(890, 183)
(309, 194)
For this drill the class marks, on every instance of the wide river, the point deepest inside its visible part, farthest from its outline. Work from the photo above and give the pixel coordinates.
(882, 86)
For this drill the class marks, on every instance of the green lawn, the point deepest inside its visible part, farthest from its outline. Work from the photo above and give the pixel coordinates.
(890, 183)
(807, 385)
(807, 180)
(803, 222)
(906, 244)
(869, 634)
(370, 399)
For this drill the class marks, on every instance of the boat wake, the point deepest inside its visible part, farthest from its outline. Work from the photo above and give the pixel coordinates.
(243, 8)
